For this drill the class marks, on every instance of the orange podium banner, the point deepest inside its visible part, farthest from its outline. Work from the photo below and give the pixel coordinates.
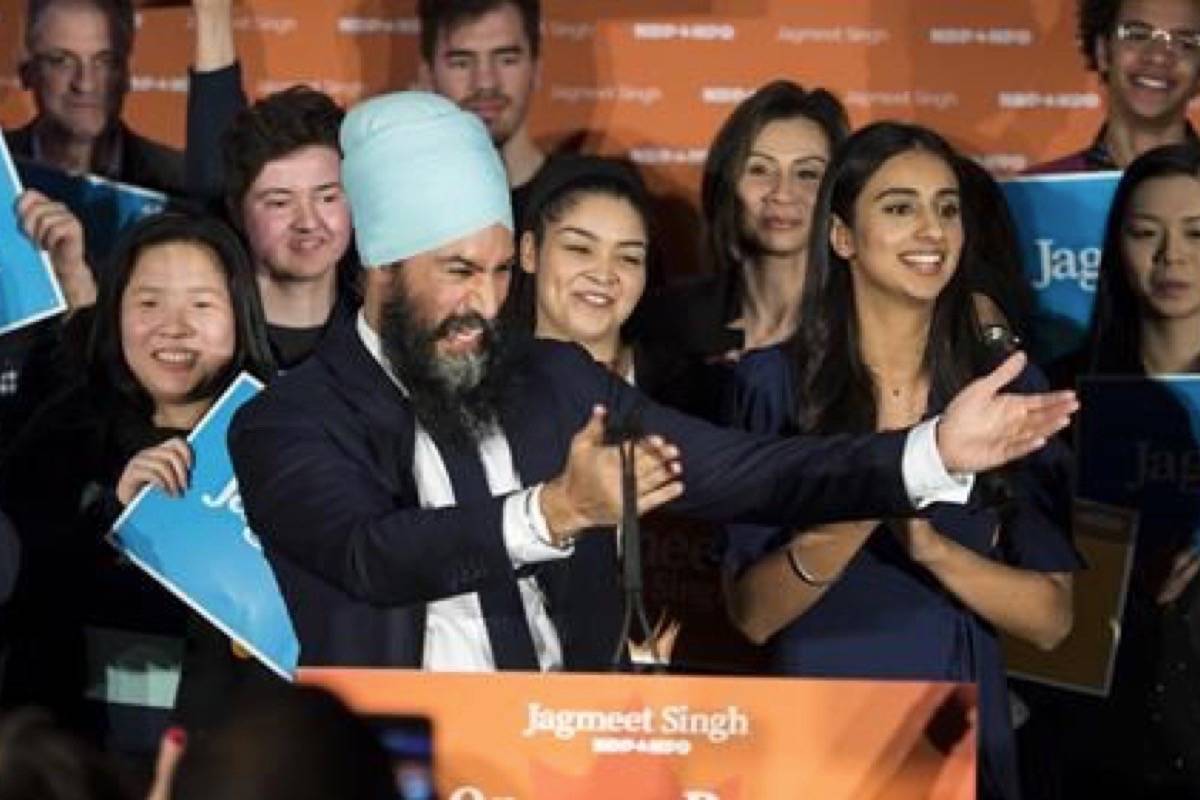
(531, 736)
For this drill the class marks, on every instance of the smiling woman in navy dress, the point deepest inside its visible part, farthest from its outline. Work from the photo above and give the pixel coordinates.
(889, 334)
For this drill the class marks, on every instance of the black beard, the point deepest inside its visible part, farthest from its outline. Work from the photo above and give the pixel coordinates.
(456, 399)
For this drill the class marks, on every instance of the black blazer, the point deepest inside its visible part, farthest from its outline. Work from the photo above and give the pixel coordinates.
(323, 459)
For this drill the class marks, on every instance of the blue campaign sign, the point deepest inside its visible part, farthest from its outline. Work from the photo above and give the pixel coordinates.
(1060, 223)
(1139, 447)
(28, 289)
(104, 207)
(199, 547)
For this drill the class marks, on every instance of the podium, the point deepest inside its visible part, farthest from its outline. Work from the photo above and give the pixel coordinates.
(532, 736)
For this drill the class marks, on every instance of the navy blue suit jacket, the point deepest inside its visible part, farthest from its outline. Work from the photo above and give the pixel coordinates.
(324, 456)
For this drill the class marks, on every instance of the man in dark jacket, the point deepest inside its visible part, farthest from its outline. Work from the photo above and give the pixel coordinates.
(431, 493)
(76, 66)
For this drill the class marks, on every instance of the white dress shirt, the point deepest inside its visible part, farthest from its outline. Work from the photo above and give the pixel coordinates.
(456, 637)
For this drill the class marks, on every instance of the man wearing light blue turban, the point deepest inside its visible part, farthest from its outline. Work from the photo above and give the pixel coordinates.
(427, 487)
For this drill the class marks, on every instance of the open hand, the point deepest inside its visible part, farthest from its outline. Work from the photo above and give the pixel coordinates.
(167, 466)
(983, 427)
(587, 493)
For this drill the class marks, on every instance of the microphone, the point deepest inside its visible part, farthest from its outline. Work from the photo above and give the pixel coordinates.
(626, 428)
(999, 340)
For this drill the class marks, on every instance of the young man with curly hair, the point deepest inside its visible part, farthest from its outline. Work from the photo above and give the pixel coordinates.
(1147, 54)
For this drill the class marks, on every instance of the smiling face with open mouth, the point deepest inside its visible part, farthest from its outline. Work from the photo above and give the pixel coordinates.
(177, 323)
(907, 235)
(1149, 78)
(591, 272)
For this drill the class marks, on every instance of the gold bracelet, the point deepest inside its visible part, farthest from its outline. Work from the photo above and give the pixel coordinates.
(806, 576)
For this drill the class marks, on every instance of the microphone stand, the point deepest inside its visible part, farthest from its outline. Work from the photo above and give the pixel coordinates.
(625, 435)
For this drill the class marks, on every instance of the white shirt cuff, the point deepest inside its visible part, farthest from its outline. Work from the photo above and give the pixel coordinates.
(925, 477)
(526, 535)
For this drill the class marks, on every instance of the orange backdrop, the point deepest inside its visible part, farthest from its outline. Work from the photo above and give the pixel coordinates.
(1001, 78)
(654, 79)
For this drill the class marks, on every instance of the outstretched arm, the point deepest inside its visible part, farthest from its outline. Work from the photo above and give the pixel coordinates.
(587, 493)
(314, 493)
(800, 481)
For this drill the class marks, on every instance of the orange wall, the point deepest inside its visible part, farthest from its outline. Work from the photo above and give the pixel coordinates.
(659, 80)
(1001, 78)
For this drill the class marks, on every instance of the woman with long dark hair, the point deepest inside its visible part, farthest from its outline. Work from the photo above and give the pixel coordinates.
(1147, 313)
(1002, 294)
(889, 335)
(177, 318)
(760, 179)
(585, 256)
(1146, 322)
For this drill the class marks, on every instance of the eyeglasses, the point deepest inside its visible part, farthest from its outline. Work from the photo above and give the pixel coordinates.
(1141, 35)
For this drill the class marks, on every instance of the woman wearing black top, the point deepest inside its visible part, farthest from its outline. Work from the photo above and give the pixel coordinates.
(760, 180)
(177, 318)
(1144, 739)
(586, 254)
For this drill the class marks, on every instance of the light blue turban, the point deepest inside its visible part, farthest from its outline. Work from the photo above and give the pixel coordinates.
(419, 173)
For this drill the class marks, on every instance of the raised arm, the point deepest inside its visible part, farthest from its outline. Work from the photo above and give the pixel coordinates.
(215, 96)
(53, 228)
(214, 35)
